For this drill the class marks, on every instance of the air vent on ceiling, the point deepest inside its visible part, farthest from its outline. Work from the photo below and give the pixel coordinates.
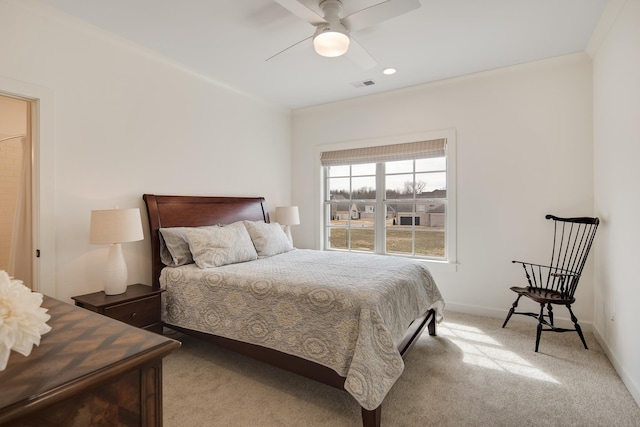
(364, 83)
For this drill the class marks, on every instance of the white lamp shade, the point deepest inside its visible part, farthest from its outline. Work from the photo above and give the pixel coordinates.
(287, 215)
(115, 226)
(112, 227)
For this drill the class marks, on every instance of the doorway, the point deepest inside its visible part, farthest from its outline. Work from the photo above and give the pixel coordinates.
(16, 189)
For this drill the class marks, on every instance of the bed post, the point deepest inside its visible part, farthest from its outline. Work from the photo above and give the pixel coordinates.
(154, 226)
(432, 325)
(372, 418)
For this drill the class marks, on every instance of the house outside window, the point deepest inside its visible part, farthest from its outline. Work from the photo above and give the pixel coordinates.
(390, 199)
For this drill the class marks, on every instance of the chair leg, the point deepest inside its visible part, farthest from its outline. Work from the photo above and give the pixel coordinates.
(574, 319)
(539, 330)
(550, 311)
(511, 310)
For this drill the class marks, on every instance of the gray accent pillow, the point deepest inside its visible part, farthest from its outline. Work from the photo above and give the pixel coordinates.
(268, 238)
(215, 247)
(174, 246)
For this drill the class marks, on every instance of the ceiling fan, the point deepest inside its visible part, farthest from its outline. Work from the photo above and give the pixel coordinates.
(332, 36)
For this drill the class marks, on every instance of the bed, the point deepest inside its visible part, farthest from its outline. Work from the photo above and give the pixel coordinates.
(343, 319)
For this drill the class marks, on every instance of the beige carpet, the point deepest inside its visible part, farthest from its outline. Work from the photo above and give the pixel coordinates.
(474, 373)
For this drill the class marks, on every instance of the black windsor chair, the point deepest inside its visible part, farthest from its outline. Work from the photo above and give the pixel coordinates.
(556, 283)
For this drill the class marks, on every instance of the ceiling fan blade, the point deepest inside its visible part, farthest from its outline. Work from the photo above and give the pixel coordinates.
(292, 47)
(360, 56)
(375, 14)
(302, 11)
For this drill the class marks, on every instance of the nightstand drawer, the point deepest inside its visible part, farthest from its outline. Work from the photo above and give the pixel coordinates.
(139, 313)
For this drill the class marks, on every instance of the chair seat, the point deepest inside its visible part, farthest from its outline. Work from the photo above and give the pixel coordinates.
(543, 296)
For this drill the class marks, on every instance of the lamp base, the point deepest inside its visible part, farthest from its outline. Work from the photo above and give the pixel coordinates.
(287, 231)
(115, 274)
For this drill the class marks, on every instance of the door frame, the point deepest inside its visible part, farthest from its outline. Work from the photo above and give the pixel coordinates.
(43, 179)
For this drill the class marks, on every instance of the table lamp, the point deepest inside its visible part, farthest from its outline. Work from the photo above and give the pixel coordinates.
(287, 216)
(112, 227)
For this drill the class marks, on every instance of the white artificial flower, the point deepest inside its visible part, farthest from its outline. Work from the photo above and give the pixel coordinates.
(22, 320)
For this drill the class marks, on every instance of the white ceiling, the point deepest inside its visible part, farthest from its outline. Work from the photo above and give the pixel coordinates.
(229, 41)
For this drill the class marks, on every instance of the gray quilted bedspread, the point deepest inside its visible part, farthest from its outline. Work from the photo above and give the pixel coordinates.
(342, 310)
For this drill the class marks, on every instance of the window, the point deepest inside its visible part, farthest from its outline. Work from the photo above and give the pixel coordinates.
(390, 199)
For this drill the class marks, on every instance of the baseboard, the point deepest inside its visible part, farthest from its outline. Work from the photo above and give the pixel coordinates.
(563, 322)
(626, 379)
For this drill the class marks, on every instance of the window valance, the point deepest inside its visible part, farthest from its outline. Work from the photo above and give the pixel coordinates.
(385, 153)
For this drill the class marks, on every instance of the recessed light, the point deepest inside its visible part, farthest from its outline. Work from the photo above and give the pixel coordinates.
(389, 71)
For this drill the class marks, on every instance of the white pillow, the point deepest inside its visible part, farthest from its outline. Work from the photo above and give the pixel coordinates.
(174, 246)
(268, 238)
(215, 247)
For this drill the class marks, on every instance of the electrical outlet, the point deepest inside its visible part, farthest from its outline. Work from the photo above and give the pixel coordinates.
(613, 310)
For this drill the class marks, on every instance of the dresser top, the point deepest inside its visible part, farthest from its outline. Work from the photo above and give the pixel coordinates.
(82, 349)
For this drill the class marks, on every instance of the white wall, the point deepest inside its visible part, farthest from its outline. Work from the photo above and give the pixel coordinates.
(524, 142)
(616, 82)
(126, 123)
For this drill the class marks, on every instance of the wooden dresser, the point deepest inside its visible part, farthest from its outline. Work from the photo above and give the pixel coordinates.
(89, 370)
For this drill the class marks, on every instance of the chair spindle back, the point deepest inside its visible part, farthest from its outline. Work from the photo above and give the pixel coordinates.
(572, 240)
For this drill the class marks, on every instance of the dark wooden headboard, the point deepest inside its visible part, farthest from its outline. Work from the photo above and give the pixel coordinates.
(196, 211)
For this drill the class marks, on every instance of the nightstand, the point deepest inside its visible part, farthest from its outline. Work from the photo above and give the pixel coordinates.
(138, 306)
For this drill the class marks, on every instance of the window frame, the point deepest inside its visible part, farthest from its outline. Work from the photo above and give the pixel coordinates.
(449, 263)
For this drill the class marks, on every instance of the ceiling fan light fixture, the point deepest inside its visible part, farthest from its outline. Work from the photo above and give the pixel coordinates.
(331, 41)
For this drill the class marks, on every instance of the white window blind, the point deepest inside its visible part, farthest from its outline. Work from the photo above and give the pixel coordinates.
(385, 153)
